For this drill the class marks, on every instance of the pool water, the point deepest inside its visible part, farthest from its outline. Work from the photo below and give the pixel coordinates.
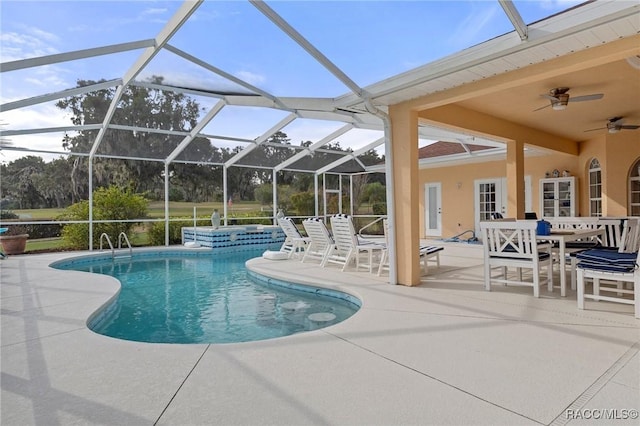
(173, 298)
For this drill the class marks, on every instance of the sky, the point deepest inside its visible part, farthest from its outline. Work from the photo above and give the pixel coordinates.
(368, 40)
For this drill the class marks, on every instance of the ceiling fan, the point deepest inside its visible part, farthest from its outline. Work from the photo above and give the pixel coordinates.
(560, 98)
(614, 125)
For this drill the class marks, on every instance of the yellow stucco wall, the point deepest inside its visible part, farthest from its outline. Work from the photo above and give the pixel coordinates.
(622, 151)
(617, 153)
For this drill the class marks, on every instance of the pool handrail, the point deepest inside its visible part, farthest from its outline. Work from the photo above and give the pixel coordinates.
(126, 240)
(104, 234)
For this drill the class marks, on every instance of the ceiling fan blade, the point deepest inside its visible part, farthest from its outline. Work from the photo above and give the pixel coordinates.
(629, 126)
(551, 98)
(542, 107)
(593, 97)
(599, 128)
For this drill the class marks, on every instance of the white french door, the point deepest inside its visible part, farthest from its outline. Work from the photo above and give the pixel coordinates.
(491, 197)
(433, 209)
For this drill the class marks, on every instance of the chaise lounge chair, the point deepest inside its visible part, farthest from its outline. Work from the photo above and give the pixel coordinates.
(320, 241)
(294, 243)
(427, 253)
(348, 247)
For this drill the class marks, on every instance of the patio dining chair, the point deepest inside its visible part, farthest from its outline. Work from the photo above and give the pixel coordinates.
(294, 243)
(609, 269)
(348, 247)
(320, 241)
(612, 239)
(427, 253)
(513, 244)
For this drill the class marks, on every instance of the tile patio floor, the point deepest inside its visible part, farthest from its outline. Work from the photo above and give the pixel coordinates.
(446, 352)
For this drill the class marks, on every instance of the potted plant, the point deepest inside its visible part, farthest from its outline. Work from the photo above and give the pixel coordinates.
(14, 240)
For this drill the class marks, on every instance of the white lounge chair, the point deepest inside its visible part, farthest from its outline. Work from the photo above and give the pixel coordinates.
(427, 253)
(294, 243)
(514, 244)
(348, 247)
(320, 241)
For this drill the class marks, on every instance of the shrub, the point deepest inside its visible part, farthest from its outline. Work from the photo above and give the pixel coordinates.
(304, 203)
(110, 203)
(49, 230)
(379, 208)
(15, 230)
(8, 214)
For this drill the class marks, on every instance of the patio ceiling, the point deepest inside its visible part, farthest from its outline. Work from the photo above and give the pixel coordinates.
(566, 33)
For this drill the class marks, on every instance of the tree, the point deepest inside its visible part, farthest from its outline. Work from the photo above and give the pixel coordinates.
(138, 107)
(359, 185)
(54, 184)
(19, 181)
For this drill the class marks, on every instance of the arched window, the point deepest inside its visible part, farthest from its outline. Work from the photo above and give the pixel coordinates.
(595, 188)
(634, 190)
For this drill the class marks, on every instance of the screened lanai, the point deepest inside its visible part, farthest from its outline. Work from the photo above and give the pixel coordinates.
(304, 88)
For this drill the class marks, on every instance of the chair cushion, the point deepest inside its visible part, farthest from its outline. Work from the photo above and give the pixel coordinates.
(607, 260)
(430, 249)
(275, 255)
(541, 256)
(581, 244)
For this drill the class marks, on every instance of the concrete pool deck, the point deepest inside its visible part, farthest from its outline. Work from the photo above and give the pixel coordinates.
(446, 352)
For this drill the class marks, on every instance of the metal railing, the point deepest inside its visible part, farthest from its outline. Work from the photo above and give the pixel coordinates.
(126, 240)
(121, 237)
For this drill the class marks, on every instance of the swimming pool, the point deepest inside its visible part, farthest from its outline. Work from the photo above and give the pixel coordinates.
(183, 296)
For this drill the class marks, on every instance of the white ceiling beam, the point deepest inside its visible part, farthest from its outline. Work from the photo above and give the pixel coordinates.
(42, 151)
(72, 56)
(226, 138)
(184, 90)
(313, 147)
(50, 130)
(591, 15)
(194, 132)
(177, 20)
(306, 45)
(516, 20)
(222, 73)
(349, 155)
(265, 136)
(59, 95)
(147, 130)
(465, 146)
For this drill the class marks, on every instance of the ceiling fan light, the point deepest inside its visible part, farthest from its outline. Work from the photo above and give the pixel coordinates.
(561, 101)
(613, 129)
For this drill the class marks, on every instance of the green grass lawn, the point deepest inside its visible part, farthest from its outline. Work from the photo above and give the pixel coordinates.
(44, 244)
(137, 239)
(156, 210)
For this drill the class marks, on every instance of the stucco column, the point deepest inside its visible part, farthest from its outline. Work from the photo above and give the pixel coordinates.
(404, 132)
(515, 179)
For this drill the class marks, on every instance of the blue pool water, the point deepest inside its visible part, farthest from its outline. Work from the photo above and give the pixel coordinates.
(181, 297)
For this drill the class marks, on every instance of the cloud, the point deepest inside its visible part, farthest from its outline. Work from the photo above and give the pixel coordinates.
(40, 116)
(251, 78)
(204, 16)
(154, 11)
(555, 4)
(467, 31)
(17, 46)
(149, 15)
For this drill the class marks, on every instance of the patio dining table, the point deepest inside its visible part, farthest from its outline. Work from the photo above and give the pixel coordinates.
(562, 237)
